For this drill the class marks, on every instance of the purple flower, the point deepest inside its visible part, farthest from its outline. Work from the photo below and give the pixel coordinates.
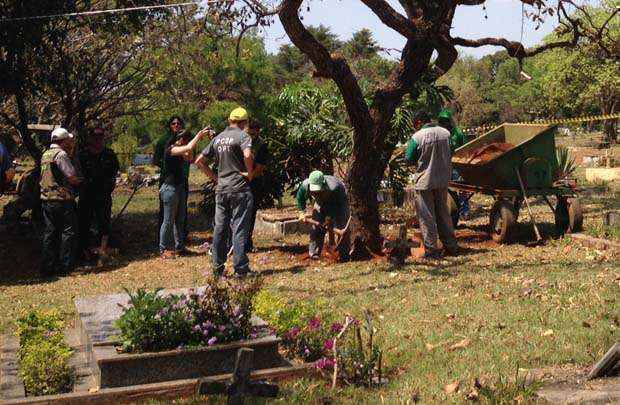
(196, 328)
(336, 327)
(207, 325)
(293, 333)
(222, 328)
(307, 351)
(329, 344)
(315, 323)
(324, 363)
(212, 341)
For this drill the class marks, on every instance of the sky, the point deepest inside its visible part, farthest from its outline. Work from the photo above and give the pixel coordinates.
(345, 17)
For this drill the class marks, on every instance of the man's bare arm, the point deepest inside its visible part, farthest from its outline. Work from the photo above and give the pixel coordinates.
(202, 165)
(248, 158)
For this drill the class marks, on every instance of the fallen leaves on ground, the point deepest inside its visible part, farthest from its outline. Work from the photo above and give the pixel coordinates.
(548, 332)
(452, 388)
(460, 345)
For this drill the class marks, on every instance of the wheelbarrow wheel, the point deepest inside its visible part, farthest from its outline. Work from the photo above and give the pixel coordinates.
(502, 221)
(568, 215)
(453, 207)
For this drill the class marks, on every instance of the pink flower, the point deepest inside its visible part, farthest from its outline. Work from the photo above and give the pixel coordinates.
(336, 327)
(315, 323)
(324, 363)
(293, 333)
(329, 344)
(212, 341)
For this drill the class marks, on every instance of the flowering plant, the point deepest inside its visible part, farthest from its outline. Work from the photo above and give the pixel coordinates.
(358, 356)
(218, 314)
(310, 342)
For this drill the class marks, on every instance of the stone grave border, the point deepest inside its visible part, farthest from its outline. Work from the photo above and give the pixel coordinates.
(86, 338)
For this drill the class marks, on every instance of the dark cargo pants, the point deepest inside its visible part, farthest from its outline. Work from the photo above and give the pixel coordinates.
(59, 237)
(99, 208)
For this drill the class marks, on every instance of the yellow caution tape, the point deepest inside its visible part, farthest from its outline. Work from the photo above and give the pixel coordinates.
(551, 121)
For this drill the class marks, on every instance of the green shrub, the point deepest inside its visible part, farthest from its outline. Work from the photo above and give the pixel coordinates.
(306, 330)
(43, 355)
(35, 324)
(44, 367)
(281, 315)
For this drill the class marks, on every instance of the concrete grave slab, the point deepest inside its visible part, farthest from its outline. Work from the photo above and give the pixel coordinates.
(95, 321)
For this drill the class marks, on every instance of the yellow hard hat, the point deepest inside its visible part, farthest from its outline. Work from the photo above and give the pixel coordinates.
(238, 114)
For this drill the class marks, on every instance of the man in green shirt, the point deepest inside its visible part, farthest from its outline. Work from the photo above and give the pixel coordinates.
(457, 139)
(330, 200)
(429, 151)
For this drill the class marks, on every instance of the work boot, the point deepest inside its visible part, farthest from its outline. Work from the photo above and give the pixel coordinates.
(218, 271)
(453, 251)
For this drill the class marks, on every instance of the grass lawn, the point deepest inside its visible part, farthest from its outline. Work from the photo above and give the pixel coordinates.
(520, 307)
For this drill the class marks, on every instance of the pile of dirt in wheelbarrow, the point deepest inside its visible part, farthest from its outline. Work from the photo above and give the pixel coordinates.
(485, 153)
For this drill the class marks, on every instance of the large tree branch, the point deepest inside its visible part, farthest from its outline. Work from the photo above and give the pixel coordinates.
(334, 67)
(392, 18)
(514, 48)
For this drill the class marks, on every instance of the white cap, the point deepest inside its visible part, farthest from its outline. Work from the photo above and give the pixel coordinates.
(60, 133)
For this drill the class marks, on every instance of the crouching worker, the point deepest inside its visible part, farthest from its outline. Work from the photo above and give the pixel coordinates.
(330, 201)
(59, 178)
(429, 151)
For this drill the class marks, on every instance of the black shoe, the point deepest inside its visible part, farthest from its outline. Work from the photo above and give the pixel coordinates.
(218, 271)
(246, 274)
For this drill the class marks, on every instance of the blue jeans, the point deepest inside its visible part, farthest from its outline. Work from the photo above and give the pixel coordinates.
(173, 221)
(232, 211)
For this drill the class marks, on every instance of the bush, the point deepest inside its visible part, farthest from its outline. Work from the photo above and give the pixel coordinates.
(305, 332)
(43, 355)
(281, 315)
(44, 368)
(219, 314)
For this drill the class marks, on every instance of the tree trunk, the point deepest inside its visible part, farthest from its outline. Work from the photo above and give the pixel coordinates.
(363, 180)
(609, 126)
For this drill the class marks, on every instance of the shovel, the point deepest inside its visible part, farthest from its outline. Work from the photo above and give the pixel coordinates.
(529, 210)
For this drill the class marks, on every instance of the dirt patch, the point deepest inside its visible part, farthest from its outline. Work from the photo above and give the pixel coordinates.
(568, 385)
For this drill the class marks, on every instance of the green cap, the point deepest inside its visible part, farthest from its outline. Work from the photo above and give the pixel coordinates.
(316, 180)
(445, 113)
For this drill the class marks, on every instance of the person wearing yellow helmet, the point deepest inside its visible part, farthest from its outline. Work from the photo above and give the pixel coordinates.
(232, 152)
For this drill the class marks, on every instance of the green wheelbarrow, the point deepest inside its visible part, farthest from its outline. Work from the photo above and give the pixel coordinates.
(512, 163)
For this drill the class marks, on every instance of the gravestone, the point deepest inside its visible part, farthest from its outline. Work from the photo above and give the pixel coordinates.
(96, 317)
